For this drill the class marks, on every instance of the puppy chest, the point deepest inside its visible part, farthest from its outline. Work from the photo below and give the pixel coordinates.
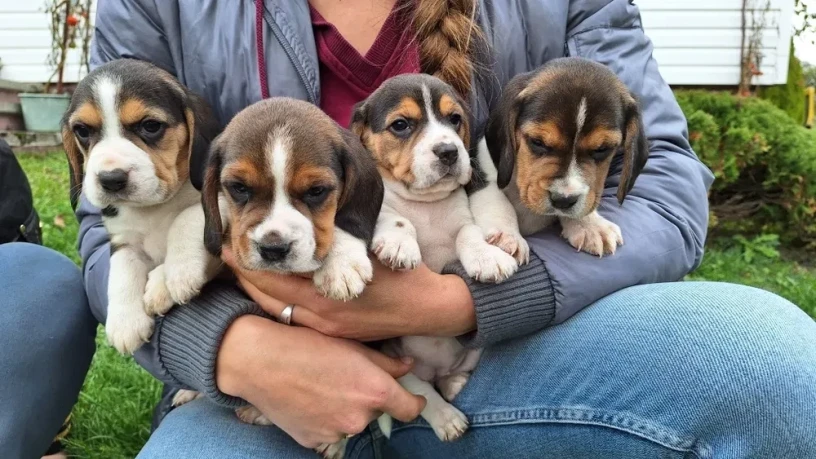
(145, 231)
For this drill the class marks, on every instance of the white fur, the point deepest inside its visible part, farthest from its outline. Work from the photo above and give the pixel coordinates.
(580, 118)
(346, 269)
(574, 183)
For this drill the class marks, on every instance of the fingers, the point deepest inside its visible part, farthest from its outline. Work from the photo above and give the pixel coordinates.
(395, 367)
(403, 405)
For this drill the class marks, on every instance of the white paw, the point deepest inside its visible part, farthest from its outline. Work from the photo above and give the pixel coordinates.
(512, 243)
(344, 276)
(450, 386)
(127, 331)
(332, 450)
(185, 396)
(252, 415)
(185, 284)
(396, 250)
(488, 263)
(593, 234)
(447, 422)
(157, 299)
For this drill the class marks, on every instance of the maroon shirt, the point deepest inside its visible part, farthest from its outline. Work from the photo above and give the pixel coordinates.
(346, 77)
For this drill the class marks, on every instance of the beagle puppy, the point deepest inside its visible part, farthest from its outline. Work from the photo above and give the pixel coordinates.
(418, 130)
(129, 133)
(555, 134)
(299, 195)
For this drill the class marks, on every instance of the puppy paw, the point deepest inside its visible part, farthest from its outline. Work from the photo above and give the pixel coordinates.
(396, 250)
(252, 415)
(447, 422)
(127, 331)
(344, 276)
(157, 299)
(185, 284)
(451, 385)
(185, 396)
(512, 243)
(488, 263)
(332, 450)
(592, 234)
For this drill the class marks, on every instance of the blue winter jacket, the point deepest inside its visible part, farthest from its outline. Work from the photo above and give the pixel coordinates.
(210, 46)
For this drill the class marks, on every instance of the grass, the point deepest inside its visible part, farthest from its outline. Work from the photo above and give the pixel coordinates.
(112, 416)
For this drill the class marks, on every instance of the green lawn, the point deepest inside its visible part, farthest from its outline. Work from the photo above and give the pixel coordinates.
(112, 417)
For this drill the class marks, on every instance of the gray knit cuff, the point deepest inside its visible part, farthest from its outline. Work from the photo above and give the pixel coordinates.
(522, 304)
(190, 336)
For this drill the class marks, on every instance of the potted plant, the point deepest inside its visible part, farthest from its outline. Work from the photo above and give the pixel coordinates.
(70, 24)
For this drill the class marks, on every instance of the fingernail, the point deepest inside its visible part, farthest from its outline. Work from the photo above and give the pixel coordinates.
(407, 360)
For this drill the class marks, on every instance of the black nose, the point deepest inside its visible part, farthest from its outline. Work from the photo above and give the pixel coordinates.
(115, 180)
(446, 152)
(273, 248)
(563, 202)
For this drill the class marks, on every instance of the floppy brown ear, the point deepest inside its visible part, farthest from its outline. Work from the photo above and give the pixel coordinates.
(635, 148)
(501, 129)
(75, 163)
(213, 229)
(362, 193)
(202, 127)
(359, 117)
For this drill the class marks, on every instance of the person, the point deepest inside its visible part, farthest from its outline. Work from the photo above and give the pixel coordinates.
(584, 357)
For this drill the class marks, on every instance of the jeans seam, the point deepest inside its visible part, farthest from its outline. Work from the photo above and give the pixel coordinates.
(621, 421)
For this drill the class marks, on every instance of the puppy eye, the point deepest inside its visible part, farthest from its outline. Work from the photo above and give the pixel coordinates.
(601, 154)
(239, 192)
(455, 119)
(151, 129)
(315, 195)
(82, 132)
(316, 191)
(538, 146)
(400, 127)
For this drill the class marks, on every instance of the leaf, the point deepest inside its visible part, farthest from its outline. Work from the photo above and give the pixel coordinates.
(59, 221)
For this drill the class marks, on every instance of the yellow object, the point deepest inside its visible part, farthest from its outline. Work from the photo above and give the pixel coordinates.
(810, 106)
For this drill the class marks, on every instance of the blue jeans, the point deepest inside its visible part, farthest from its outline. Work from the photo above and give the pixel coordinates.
(675, 370)
(46, 344)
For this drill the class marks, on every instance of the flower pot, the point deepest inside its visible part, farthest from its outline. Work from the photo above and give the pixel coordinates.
(43, 112)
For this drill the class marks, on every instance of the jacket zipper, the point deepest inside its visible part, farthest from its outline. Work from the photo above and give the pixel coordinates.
(290, 52)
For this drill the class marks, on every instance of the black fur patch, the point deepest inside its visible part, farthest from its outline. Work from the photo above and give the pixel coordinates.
(114, 247)
(110, 212)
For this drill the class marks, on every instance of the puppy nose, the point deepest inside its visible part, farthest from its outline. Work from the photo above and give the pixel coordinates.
(563, 202)
(446, 152)
(115, 180)
(273, 248)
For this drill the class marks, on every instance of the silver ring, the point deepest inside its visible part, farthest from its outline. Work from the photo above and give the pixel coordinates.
(286, 314)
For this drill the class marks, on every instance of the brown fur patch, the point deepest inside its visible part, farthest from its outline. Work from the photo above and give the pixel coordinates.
(132, 111)
(534, 176)
(301, 179)
(448, 106)
(407, 108)
(595, 175)
(543, 79)
(169, 156)
(394, 157)
(87, 114)
(600, 137)
(548, 132)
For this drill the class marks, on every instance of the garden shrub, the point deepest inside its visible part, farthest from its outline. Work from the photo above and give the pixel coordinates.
(790, 97)
(764, 163)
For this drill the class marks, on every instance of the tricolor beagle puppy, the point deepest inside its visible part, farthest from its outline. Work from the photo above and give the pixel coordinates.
(554, 136)
(418, 130)
(130, 133)
(290, 191)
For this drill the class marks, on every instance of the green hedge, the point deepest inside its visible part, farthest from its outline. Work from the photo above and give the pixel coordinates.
(764, 162)
(789, 97)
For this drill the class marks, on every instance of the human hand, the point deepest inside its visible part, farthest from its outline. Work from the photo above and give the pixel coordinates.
(395, 303)
(316, 388)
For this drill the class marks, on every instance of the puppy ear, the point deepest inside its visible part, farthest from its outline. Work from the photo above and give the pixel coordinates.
(362, 193)
(359, 118)
(501, 129)
(75, 163)
(213, 229)
(636, 148)
(202, 128)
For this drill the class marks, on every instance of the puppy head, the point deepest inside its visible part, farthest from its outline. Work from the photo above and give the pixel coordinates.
(556, 132)
(287, 174)
(129, 134)
(417, 128)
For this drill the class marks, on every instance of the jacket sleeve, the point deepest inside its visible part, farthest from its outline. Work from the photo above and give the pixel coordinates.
(664, 219)
(184, 345)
